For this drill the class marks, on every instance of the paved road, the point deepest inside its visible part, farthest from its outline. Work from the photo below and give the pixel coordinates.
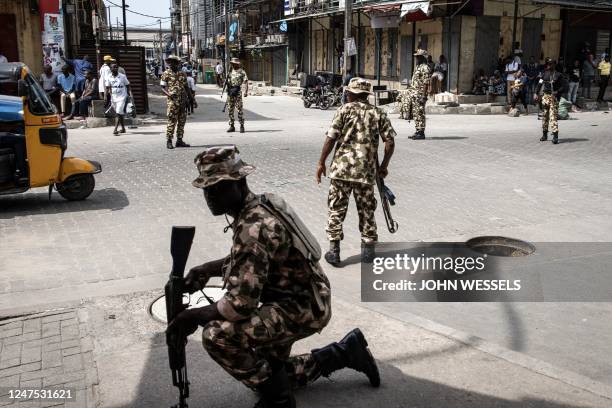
(475, 175)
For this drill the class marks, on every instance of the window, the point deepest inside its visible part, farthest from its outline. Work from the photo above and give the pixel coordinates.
(38, 101)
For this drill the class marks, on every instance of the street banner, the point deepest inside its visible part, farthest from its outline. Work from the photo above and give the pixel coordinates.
(53, 41)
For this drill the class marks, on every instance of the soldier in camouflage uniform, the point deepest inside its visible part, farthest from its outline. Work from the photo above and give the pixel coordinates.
(236, 78)
(553, 86)
(413, 101)
(355, 131)
(274, 295)
(174, 86)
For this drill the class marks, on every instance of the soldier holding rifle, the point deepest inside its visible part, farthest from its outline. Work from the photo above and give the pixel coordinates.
(355, 131)
(277, 293)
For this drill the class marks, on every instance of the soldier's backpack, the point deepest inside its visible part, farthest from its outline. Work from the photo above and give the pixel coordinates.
(303, 240)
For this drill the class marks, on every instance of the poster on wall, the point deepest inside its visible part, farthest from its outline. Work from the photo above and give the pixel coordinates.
(53, 41)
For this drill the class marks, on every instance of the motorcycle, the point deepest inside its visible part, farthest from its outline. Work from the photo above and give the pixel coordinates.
(316, 95)
(334, 95)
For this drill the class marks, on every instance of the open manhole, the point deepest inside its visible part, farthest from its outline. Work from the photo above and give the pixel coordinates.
(500, 246)
(157, 308)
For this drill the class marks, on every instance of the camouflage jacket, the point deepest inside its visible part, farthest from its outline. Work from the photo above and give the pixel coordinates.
(237, 77)
(356, 128)
(264, 267)
(175, 82)
(420, 78)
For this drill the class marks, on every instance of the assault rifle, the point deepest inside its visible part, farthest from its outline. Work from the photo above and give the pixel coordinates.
(222, 92)
(180, 245)
(387, 199)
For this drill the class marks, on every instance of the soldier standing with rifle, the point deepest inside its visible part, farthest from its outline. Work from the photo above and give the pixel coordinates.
(553, 86)
(277, 293)
(355, 131)
(413, 102)
(174, 85)
(235, 79)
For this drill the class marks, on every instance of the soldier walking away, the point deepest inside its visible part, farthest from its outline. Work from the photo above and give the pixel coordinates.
(414, 100)
(174, 86)
(552, 86)
(354, 132)
(235, 79)
(277, 293)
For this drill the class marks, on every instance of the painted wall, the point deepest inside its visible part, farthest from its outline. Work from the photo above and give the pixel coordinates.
(466, 59)
(28, 33)
(526, 9)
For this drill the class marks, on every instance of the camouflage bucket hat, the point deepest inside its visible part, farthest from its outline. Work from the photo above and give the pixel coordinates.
(220, 163)
(359, 86)
(421, 52)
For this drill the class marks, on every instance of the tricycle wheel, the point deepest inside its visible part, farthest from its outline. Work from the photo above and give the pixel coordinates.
(77, 187)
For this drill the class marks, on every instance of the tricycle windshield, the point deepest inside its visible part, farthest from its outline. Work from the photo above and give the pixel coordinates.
(38, 100)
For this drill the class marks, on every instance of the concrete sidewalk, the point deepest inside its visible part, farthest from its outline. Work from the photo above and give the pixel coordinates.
(419, 368)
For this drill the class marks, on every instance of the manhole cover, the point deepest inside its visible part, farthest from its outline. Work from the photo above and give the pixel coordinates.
(157, 309)
(500, 246)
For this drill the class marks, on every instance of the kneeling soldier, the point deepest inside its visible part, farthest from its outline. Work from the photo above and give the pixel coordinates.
(275, 295)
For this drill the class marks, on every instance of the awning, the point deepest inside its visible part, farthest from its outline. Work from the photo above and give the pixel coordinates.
(604, 5)
(420, 6)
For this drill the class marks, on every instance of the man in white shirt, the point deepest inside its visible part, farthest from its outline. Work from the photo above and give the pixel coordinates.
(105, 72)
(512, 67)
(117, 91)
(219, 74)
(192, 88)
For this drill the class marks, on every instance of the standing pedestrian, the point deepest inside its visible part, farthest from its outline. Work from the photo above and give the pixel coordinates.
(174, 86)
(104, 73)
(552, 87)
(604, 77)
(354, 133)
(512, 66)
(67, 84)
(192, 89)
(573, 74)
(531, 70)
(219, 74)
(117, 91)
(235, 79)
(588, 72)
(80, 68)
(415, 98)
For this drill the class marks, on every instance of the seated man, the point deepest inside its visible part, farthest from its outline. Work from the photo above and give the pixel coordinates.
(67, 83)
(90, 92)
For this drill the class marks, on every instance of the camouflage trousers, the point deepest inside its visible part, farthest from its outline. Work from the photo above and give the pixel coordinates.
(412, 108)
(250, 348)
(337, 202)
(176, 119)
(233, 103)
(550, 112)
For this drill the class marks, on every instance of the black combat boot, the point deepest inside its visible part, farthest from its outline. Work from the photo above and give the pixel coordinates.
(333, 255)
(276, 391)
(418, 135)
(544, 136)
(555, 138)
(169, 144)
(242, 128)
(180, 143)
(350, 352)
(368, 252)
(231, 129)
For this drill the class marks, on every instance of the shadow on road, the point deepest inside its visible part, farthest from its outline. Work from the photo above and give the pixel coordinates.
(212, 387)
(446, 138)
(572, 140)
(39, 203)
